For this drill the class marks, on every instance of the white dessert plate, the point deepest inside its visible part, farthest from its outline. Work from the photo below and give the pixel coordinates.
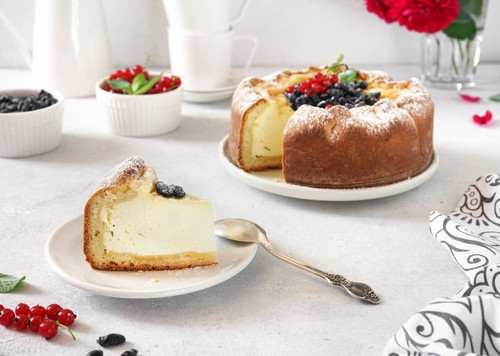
(208, 97)
(64, 253)
(213, 95)
(272, 181)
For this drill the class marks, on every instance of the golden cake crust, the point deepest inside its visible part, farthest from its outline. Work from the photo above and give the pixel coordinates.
(339, 147)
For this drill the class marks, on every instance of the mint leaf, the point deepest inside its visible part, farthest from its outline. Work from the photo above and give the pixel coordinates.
(495, 97)
(8, 282)
(348, 75)
(120, 84)
(138, 81)
(148, 85)
(336, 64)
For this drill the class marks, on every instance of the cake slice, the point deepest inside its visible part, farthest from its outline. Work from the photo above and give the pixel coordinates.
(133, 222)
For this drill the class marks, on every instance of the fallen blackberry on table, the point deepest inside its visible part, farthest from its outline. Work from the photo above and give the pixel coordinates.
(95, 353)
(112, 339)
(11, 104)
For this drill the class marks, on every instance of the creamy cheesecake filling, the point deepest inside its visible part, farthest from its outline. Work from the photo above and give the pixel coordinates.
(267, 129)
(148, 225)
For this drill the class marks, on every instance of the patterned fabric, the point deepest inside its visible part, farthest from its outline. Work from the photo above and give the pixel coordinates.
(469, 323)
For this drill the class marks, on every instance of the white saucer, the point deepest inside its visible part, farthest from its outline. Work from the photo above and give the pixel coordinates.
(64, 253)
(217, 94)
(272, 181)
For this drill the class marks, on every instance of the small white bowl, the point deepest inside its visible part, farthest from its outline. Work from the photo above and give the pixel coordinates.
(31, 133)
(141, 115)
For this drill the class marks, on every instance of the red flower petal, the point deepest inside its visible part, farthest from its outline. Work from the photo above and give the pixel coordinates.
(381, 8)
(469, 98)
(484, 119)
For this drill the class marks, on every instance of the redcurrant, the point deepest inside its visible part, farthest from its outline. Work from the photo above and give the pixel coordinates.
(7, 317)
(138, 69)
(52, 311)
(35, 322)
(22, 308)
(21, 322)
(66, 317)
(48, 329)
(38, 310)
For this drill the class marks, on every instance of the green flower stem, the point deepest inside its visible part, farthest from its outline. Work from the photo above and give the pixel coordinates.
(438, 56)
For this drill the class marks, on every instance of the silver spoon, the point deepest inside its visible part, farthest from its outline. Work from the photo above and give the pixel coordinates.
(248, 231)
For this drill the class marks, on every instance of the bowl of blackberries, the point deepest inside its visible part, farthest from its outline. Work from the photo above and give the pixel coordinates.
(138, 103)
(30, 121)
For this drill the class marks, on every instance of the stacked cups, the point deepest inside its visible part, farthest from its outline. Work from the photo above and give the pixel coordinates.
(201, 38)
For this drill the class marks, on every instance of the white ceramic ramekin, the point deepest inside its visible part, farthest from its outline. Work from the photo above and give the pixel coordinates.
(34, 132)
(141, 115)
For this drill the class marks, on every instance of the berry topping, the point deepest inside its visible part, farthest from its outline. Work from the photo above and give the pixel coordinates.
(337, 87)
(322, 91)
(10, 104)
(169, 190)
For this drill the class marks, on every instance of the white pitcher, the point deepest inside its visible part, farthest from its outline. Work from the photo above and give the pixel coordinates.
(71, 48)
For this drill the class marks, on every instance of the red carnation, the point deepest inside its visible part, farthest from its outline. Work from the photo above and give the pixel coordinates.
(380, 8)
(425, 16)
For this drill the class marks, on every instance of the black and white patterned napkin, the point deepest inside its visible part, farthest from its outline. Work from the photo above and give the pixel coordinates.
(469, 323)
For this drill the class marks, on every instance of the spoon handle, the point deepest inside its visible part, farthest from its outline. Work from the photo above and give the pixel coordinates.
(355, 289)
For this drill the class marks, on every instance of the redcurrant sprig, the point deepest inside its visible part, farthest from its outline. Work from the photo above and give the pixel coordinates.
(44, 321)
(139, 81)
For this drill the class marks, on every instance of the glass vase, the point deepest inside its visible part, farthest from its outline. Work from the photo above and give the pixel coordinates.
(449, 63)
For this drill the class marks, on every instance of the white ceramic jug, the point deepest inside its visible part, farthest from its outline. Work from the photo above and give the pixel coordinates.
(71, 48)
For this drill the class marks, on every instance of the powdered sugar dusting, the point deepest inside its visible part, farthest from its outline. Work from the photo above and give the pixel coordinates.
(415, 99)
(379, 117)
(133, 166)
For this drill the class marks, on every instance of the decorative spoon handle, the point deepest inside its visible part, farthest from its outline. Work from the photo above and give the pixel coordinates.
(355, 289)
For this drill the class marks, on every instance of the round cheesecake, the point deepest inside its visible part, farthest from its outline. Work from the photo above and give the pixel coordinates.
(339, 146)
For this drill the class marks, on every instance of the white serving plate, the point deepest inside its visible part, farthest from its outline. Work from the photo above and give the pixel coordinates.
(64, 253)
(272, 181)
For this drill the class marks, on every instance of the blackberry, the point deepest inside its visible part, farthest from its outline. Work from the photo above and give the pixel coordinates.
(95, 353)
(111, 340)
(164, 189)
(130, 352)
(171, 190)
(178, 191)
(341, 93)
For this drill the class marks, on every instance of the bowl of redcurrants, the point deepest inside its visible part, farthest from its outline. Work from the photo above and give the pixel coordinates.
(30, 121)
(140, 103)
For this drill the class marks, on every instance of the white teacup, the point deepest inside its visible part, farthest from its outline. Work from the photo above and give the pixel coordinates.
(202, 16)
(204, 61)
